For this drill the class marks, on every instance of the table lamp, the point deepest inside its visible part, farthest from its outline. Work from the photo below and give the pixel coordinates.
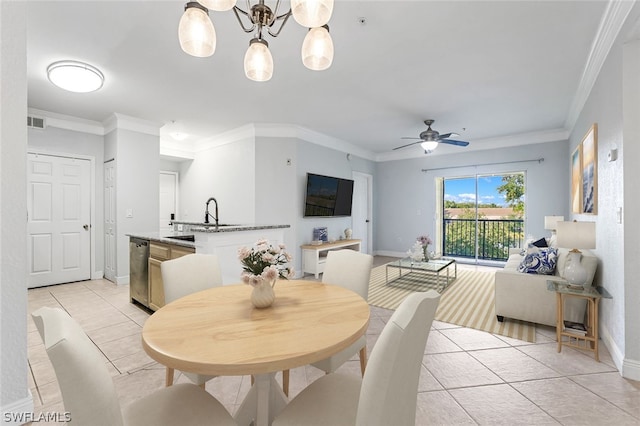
(550, 224)
(577, 235)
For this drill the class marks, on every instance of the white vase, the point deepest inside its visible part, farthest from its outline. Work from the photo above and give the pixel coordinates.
(262, 295)
(574, 272)
(348, 233)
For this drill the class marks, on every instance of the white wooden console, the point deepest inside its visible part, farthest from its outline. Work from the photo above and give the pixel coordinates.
(315, 256)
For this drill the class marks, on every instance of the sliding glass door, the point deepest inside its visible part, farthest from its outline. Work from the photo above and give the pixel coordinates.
(482, 216)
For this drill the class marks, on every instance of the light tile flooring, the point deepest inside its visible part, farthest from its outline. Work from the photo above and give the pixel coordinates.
(467, 377)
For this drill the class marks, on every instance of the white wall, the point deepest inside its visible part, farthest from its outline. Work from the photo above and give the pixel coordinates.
(14, 390)
(406, 195)
(225, 172)
(137, 190)
(62, 141)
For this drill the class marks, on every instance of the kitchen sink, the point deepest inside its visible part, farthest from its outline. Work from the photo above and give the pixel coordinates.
(191, 238)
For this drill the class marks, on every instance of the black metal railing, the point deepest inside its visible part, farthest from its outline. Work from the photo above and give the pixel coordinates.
(495, 237)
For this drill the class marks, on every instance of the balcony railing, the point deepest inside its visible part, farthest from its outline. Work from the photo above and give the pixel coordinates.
(495, 237)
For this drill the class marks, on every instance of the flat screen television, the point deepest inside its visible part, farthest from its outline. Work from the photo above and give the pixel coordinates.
(328, 196)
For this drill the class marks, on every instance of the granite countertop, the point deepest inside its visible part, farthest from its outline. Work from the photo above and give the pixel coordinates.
(190, 228)
(224, 227)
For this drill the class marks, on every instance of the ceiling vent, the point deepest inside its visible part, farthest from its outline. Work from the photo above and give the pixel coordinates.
(35, 122)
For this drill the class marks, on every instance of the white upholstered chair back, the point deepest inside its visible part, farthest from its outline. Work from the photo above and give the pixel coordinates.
(390, 385)
(189, 274)
(87, 389)
(349, 269)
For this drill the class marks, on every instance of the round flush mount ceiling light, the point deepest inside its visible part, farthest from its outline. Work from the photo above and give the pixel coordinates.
(75, 76)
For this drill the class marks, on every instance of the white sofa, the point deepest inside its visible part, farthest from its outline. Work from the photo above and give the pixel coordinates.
(525, 296)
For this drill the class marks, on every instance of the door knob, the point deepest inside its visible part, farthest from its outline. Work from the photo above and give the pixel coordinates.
(86, 227)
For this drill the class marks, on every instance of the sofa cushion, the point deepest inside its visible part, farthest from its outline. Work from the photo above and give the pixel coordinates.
(543, 262)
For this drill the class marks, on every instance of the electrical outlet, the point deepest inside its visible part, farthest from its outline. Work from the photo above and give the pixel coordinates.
(129, 213)
(180, 227)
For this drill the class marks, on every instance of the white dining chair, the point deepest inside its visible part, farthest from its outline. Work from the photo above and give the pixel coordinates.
(388, 392)
(89, 394)
(185, 275)
(349, 269)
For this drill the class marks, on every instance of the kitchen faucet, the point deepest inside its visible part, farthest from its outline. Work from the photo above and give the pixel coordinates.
(207, 214)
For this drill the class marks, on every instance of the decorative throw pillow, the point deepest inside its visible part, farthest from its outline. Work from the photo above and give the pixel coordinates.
(542, 242)
(542, 262)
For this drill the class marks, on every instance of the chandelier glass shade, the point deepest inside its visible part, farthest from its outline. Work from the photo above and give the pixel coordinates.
(218, 5)
(317, 49)
(198, 37)
(196, 32)
(258, 62)
(312, 13)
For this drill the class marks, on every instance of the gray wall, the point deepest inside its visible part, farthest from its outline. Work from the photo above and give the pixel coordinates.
(406, 195)
(614, 104)
(61, 141)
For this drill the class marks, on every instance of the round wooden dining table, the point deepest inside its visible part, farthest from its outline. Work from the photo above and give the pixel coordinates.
(219, 332)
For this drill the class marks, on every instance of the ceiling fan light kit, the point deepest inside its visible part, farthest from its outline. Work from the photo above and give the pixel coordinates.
(430, 139)
(198, 37)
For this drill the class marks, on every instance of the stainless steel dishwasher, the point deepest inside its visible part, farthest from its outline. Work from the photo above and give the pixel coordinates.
(139, 270)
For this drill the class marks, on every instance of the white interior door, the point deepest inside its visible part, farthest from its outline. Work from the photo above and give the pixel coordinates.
(168, 198)
(361, 211)
(59, 219)
(110, 220)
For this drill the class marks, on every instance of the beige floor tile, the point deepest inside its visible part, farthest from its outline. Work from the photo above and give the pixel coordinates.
(114, 332)
(133, 362)
(470, 339)
(512, 365)
(122, 347)
(623, 393)
(439, 325)
(439, 408)
(43, 372)
(427, 381)
(131, 387)
(438, 343)
(568, 362)
(375, 325)
(571, 404)
(459, 369)
(500, 405)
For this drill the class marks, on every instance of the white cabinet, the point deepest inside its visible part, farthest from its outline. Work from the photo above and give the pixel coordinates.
(314, 257)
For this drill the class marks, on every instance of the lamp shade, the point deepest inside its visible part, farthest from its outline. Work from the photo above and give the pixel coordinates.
(258, 62)
(75, 76)
(429, 145)
(195, 31)
(551, 221)
(576, 235)
(218, 5)
(317, 49)
(312, 13)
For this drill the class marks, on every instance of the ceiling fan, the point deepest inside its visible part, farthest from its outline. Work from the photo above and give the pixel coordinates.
(429, 139)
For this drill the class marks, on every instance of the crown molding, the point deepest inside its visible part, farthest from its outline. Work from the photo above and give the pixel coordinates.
(125, 122)
(68, 122)
(612, 21)
(554, 135)
(235, 135)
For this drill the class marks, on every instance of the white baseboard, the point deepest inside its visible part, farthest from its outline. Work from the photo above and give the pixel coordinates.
(97, 275)
(631, 369)
(20, 409)
(122, 280)
(614, 351)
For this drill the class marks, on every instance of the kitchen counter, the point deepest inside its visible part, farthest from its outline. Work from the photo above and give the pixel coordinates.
(185, 227)
(223, 242)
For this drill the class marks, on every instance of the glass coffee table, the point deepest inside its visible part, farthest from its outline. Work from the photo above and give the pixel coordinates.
(428, 270)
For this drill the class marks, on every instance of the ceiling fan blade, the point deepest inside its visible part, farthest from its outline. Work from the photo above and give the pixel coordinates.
(409, 144)
(448, 135)
(408, 137)
(454, 142)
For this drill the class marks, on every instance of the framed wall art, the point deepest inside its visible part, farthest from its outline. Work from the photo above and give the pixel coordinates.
(576, 180)
(590, 171)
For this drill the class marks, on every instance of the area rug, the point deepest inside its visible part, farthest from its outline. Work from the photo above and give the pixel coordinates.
(469, 301)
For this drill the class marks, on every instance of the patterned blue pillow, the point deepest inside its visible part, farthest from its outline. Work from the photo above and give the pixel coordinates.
(541, 262)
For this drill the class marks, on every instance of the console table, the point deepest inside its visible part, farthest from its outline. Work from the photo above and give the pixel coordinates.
(314, 256)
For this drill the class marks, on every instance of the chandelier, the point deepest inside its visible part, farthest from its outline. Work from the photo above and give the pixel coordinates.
(198, 36)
